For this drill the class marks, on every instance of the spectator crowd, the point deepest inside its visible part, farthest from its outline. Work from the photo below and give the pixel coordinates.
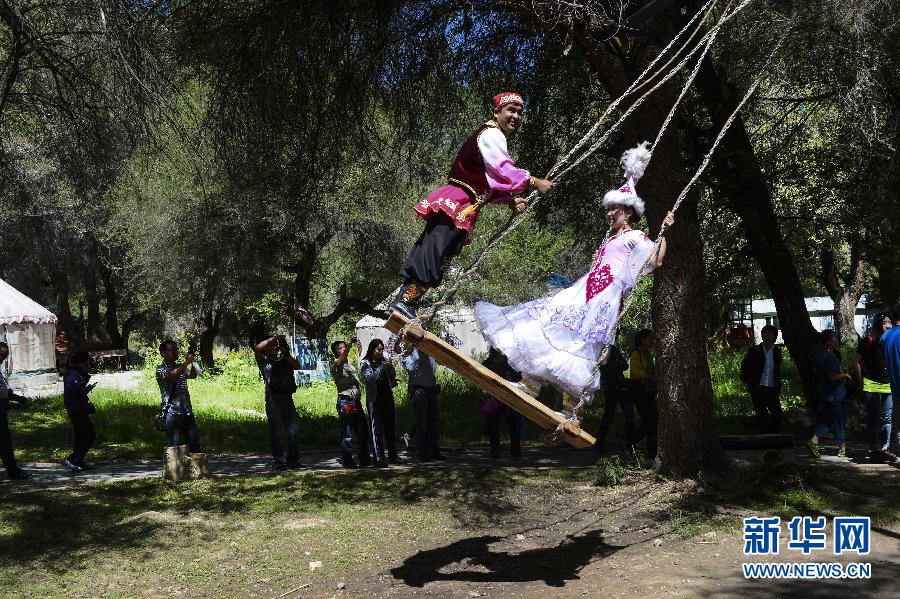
(368, 432)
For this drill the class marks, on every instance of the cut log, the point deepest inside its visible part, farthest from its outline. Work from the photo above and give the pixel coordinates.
(749, 442)
(173, 462)
(197, 466)
(490, 383)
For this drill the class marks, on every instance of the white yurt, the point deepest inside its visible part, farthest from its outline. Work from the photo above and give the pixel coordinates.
(455, 325)
(30, 331)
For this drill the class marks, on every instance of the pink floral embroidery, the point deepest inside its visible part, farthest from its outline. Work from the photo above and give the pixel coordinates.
(598, 280)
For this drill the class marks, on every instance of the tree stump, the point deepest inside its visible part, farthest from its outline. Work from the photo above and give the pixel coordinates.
(174, 462)
(197, 466)
(180, 465)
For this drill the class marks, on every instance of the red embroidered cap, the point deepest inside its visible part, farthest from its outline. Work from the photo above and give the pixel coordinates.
(504, 98)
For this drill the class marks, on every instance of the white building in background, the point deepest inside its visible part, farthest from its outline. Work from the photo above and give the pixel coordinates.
(455, 325)
(30, 331)
(821, 314)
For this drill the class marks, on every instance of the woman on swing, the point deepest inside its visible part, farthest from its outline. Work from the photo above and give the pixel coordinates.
(557, 340)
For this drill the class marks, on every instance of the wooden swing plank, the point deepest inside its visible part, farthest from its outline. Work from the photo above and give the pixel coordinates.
(491, 383)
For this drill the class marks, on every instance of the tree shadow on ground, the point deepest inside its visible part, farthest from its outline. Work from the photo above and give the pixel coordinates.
(788, 489)
(884, 577)
(473, 560)
(56, 526)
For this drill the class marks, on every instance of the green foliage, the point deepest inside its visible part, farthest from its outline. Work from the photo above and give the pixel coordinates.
(239, 371)
(609, 471)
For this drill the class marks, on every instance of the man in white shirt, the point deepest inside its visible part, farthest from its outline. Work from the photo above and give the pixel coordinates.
(761, 372)
(483, 173)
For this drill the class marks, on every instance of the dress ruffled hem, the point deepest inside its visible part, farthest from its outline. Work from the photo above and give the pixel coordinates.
(546, 354)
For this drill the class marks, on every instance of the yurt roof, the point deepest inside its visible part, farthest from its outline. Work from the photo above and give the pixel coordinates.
(18, 308)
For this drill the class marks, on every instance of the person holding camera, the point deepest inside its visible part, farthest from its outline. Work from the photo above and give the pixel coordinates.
(79, 408)
(277, 366)
(176, 412)
(349, 406)
(7, 453)
(381, 378)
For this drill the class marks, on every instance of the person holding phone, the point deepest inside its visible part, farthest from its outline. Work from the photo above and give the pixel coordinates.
(79, 408)
(176, 409)
(381, 378)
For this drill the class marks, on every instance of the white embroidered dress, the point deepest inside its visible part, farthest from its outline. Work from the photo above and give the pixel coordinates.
(557, 340)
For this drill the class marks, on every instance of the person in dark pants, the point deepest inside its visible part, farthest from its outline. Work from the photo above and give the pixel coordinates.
(423, 392)
(80, 408)
(870, 371)
(380, 378)
(349, 407)
(761, 372)
(7, 454)
(617, 390)
(483, 173)
(493, 410)
(832, 395)
(176, 409)
(642, 370)
(277, 366)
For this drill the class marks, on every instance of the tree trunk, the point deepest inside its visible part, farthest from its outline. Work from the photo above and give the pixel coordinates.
(207, 340)
(845, 295)
(688, 441)
(112, 307)
(63, 314)
(92, 325)
(209, 323)
(744, 184)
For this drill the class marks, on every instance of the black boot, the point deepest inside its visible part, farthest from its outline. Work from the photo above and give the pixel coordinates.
(407, 299)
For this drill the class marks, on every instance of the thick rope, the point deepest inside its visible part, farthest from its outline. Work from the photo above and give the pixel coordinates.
(556, 174)
(678, 201)
(706, 10)
(533, 199)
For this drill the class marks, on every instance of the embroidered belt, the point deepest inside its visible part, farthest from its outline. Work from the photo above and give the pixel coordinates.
(477, 202)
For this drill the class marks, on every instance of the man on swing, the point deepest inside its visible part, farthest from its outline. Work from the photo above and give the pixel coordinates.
(482, 173)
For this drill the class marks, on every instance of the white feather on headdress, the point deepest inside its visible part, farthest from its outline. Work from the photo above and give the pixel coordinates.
(634, 162)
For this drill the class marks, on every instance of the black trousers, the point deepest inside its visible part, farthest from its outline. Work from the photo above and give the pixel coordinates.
(84, 436)
(492, 428)
(767, 405)
(425, 406)
(611, 399)
(382, 420)
(358, 425)
(6, 447)
(429, 258)
(181, 430)
(646, 408)
(282, 414)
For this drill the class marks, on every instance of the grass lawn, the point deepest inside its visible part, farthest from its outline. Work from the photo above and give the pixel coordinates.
(386, 533)
(231, 413)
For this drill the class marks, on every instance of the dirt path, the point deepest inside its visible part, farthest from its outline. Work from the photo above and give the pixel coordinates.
(617, 545)
(52, 474)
